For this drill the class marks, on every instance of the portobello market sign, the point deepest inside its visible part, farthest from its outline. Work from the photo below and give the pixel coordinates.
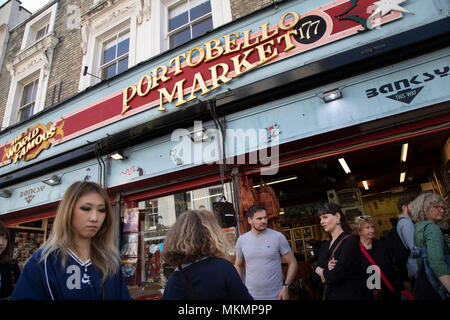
(204, 68)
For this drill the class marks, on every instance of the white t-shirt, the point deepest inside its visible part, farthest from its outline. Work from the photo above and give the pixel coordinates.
(262, 254)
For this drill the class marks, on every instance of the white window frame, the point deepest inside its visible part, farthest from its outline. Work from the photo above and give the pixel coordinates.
(48, 18)
(33, 60)
(20, 108)
(115, 36)
(95, 32)
(190, 22)
(220, 12)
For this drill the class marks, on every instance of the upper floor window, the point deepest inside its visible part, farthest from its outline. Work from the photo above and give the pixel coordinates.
(189, 19)
(39, 27)
(28, 100)
(42, 32)
(115, 55)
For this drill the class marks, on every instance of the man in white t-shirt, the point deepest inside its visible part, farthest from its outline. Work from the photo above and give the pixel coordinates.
(261, 249)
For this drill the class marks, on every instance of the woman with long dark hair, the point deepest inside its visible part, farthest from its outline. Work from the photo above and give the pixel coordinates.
(339, 258)
(9, 269)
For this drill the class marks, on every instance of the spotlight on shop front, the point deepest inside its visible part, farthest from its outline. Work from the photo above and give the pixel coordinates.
(331, 95)
(5, 193)
(53, 180)
(199, 135)
(118, 155)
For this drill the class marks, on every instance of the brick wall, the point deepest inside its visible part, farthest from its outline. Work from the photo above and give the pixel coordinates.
(67, 57)
(13, 46)
(240, 8)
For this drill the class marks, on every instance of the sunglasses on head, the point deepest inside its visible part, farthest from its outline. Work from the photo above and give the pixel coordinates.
(364, 217)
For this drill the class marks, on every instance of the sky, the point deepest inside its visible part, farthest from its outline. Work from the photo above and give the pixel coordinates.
(30, 5)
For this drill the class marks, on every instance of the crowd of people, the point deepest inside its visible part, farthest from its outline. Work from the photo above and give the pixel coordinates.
(80, 259)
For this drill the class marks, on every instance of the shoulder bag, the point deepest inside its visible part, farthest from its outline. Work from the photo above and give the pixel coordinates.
(383, 277)
(332, 258)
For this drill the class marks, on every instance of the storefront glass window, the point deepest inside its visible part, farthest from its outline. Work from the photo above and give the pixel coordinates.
(156, 216)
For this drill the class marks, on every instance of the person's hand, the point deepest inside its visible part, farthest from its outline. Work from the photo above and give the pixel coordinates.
(319, 271)
(284, 294)
(332, 264)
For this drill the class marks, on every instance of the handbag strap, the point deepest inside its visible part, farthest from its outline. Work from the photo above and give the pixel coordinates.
(337, 246)
(383, 277)
(188, 284)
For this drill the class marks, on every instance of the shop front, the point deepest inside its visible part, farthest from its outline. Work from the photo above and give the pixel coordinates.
(286, 96)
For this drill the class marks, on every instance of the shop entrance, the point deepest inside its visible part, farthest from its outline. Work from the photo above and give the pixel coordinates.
(364, 182)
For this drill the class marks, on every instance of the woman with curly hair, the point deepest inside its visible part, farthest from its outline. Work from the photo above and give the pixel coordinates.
(428, 211)
(80, 260)
(196, 245)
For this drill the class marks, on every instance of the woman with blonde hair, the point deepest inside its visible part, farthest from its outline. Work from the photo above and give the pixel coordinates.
(428, 211)
(196, 245)
(79, 260)
(379, 280)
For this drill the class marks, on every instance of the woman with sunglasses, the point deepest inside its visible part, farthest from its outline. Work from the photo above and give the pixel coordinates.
(339, 258)
(429, 212)
(375, 251)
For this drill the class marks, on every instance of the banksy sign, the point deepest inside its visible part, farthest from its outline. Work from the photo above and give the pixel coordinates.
(29, 194)
(406, 90)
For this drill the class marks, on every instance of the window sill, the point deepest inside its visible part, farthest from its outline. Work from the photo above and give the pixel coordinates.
(47, 42)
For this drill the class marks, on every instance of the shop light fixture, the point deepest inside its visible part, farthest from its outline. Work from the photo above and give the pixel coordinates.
(366, 186)
(53, 180)
(332, 95)
(277, 181)
(5, 193)
(402, 177)
(199, 135)
(118, 155)
(404, 153)
(344, 165)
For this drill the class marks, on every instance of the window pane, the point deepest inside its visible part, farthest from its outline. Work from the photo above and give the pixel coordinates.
(109, 54)
(41, 32)
(35, 86)
(180, 38)
(123, 47)
(109, 72)
(29, 93)
(200, 10)
(178, 21)
(123, 65)
(202, 27)
(26, 112)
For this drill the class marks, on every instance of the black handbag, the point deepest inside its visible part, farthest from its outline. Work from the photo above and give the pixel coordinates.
(225, 214)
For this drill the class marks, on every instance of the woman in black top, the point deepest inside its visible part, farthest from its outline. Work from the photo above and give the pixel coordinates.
(374, 288)
(9, 270)
(339, 259)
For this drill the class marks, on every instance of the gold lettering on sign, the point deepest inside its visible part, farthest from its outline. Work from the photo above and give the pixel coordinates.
(30, 143)
(263, 46)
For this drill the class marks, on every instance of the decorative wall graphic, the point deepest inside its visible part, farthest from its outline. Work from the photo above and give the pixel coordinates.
(131, 220)
(30, 143)
(129, 267)
(130, 245)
